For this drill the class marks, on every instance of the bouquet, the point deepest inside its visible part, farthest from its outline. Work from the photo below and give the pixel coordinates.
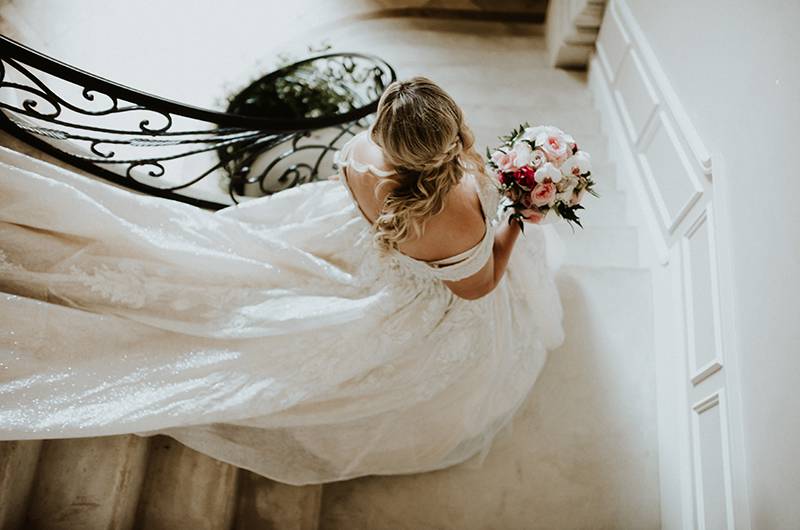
(541, 169)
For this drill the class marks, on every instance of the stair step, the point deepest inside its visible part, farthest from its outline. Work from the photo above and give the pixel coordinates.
(501, 118)
(608, 210)
(599, 246)
(185, 489)
(491, 83)
(18, 461)
(604, 175)
(494, 33)
(397, 40)
(264, 503)
(87, 483)
(528, 80)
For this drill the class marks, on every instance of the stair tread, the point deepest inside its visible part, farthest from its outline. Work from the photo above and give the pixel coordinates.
(599, 245)
(185, 489)
(263, 503)
(87, 483)
(18, 462)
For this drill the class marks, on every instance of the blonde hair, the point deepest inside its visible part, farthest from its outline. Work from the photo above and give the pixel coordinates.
(425, 141)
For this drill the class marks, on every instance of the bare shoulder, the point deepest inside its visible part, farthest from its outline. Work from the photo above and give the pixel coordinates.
(458, 228)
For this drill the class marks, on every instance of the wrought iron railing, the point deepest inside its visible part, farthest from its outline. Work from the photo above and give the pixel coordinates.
(161, 147)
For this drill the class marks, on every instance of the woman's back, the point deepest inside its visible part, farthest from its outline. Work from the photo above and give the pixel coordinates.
(460, 226)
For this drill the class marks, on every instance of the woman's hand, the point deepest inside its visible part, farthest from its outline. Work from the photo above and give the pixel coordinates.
(532, 216)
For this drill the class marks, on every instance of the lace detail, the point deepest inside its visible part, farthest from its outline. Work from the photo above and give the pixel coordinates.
(126, 286)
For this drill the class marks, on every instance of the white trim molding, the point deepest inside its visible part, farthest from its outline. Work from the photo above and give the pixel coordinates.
(701, 299)
(667, 150)
(713, 497)
(677, 202)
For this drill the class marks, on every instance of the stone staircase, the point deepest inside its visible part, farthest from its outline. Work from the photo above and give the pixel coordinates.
(583, 449)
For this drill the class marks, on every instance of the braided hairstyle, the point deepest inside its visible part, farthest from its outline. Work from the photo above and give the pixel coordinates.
(424, 139)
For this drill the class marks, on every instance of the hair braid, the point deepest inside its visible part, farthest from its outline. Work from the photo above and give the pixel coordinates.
(424, 138)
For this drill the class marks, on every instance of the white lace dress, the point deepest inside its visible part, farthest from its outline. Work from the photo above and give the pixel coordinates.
(270, 335)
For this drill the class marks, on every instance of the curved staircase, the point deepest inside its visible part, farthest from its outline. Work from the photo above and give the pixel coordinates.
(583, 450)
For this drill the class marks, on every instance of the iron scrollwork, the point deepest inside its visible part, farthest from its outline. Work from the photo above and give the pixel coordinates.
(203, 157)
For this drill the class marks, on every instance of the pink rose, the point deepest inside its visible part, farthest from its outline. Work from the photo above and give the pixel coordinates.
(543, 194)
(557, 147)
(532, 215)
(538, 158)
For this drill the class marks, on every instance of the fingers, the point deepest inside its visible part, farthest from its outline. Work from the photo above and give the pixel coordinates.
(531, 216)
(535, 219)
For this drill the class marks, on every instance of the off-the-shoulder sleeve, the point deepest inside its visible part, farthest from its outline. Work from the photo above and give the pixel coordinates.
(470, 262)
(467, 263)
(344, 158)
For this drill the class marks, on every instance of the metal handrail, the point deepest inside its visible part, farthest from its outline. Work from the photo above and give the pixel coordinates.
(97, 130)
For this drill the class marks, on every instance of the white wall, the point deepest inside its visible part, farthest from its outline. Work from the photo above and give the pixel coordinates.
(734, 68)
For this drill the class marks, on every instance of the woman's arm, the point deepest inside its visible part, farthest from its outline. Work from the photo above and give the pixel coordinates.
(485, 280)
(504, 240)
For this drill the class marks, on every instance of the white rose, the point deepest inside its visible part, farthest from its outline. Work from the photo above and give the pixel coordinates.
(523, 154)
(547, 171)
(577, 164)
(532, 133)
(538, 158)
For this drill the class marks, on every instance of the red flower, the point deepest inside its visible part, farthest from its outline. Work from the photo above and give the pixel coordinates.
(524, 176)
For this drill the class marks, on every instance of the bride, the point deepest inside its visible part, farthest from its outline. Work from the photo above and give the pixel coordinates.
(386, 320)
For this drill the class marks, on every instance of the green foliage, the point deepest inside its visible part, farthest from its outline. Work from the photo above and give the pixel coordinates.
(567, 212)
(516, 133)
(306, 91)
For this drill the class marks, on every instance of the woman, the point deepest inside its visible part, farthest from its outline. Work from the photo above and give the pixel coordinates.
(376, 323)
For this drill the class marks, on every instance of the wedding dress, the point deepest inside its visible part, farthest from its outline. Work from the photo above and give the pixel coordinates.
(270, 335)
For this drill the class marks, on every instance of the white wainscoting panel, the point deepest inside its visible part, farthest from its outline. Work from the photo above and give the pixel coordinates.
(612, 43)
(635, 96)
(668, 171)
(667, 167)
(711, 464)
(671, 155)
(702, 300)
(638, 41)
